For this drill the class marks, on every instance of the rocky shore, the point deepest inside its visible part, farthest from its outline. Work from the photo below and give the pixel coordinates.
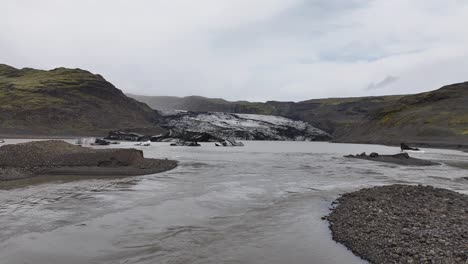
(400, 159)
(56, 157)
(403, 224)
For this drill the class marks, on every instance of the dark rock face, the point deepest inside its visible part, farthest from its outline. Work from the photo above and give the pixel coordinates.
(128, 136)
(185, 144)
(57, 157)
(206, 127)
(403, 224)
(403, 146)
(400, 159)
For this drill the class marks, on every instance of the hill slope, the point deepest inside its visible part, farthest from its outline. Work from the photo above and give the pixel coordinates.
(202, 104)
(331, 115)
(437, 118)
(64, 102)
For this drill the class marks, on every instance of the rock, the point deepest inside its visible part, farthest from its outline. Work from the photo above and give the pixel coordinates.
(101, 142)
(128, 136)
(185, 143)
(374, 154)
(417, 224)
(229, 143)
(403, 146)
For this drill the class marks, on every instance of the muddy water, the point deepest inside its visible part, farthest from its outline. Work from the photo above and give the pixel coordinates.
(261, 203)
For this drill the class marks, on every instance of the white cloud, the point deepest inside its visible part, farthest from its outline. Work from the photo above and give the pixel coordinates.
(245, 49)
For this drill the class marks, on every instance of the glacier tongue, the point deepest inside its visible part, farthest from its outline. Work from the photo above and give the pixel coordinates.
(217, 125)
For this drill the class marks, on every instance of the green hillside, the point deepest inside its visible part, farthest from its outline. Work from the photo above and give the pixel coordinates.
(64, 102)
(436, 118)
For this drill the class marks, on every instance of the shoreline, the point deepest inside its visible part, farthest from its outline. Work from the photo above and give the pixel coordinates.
(402, 224)
(433, 144)
(398, 159)
(57, 157)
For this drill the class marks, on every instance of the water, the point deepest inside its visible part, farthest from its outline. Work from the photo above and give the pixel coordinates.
(261, 203)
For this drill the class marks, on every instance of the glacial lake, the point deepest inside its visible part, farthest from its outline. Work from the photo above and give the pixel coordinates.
(259, 204)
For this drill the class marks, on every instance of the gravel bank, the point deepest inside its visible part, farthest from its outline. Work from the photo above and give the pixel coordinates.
(400, 159)
(403, 224)
(56, 157)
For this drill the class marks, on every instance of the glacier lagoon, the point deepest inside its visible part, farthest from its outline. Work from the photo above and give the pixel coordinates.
(261, 203)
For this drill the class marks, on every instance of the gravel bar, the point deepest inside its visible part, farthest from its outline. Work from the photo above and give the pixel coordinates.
(403, 224)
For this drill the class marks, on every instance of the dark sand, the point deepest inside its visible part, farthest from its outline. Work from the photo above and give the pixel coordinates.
(403, 224)
(56, 157)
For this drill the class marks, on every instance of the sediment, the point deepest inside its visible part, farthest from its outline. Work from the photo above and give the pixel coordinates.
(403, 224)
(54, 157)
(400, 159)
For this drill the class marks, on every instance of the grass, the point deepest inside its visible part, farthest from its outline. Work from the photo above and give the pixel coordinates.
(338, 101)
(65, 100)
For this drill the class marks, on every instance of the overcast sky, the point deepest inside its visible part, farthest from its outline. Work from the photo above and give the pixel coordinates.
(245, 49)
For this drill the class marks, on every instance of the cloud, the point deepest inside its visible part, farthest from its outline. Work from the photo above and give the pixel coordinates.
(382, 84)
(245, 49)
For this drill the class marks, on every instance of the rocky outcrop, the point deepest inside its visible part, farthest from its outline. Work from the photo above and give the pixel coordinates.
(404, 146)
(400, 159)
(403, 224)
(203, 127)
(58, 157)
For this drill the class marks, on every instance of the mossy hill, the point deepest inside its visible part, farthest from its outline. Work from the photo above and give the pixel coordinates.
(66, 102)
(437, 118)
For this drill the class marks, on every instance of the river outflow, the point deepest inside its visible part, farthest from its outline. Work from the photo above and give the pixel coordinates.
(257, 204)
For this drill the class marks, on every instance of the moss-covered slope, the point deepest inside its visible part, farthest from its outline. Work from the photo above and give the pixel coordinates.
(438, 117)
(65, 102)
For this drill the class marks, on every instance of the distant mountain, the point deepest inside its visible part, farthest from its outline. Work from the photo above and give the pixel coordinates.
(331, 115)
(76, 102)
(202, 104)
(66, 102)
(437, 118)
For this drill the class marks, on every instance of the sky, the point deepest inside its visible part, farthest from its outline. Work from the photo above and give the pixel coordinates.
(257, 50)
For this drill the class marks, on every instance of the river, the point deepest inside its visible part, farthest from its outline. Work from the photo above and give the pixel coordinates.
(257, 204)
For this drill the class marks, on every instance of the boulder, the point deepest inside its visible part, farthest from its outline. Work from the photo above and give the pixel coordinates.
(403, 146)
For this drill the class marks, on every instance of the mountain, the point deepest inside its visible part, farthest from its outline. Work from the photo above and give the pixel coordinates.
(332, 115)
(202, 104)
(438, 118)
(66, 102)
